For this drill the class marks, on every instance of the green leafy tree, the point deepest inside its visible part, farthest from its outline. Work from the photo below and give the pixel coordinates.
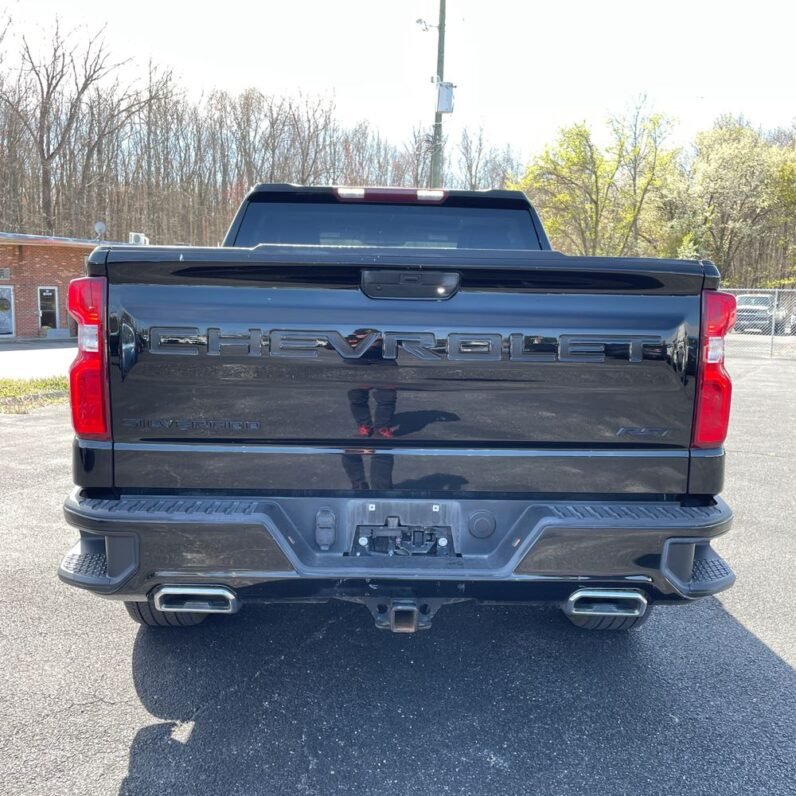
(732, 192)
(645, 167)
(572, 183)
(598, 200)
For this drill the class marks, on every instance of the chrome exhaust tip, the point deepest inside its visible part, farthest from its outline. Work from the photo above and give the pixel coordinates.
(196, 599)
(606, 602)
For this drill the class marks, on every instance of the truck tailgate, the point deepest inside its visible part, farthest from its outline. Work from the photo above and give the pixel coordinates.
(272, 370)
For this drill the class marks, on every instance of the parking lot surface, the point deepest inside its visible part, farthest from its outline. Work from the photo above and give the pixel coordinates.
(36, 359)
(315, 700)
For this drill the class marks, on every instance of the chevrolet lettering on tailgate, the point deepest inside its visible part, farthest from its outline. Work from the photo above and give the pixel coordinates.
(518, 347)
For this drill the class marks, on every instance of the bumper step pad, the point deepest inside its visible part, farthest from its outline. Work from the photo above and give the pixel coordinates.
(711, 573)
(101, 563)
(708, 572)
(85, 563)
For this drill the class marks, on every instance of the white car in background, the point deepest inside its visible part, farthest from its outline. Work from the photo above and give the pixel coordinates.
(756, 313)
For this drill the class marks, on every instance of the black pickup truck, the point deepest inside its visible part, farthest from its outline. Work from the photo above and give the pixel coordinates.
(402, 398)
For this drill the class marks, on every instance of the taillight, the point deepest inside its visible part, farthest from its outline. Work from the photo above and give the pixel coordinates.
(714, 388)
(88, 386)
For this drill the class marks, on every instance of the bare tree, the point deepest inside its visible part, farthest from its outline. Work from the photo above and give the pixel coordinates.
(413, 165)
(483, 166)
(78, 143)
(471, 159)
(50, 93)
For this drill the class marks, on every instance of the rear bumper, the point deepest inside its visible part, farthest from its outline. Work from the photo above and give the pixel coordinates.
(257, 546)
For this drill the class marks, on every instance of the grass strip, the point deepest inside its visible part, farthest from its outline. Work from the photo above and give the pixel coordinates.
(18, 396)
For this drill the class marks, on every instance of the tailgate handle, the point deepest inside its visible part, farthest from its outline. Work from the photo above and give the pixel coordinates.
(436, 285)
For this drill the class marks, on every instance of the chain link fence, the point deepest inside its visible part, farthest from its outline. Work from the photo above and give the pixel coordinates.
(765, 325)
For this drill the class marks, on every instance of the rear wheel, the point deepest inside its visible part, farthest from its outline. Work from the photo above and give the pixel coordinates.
(145, 614)
(609, 622)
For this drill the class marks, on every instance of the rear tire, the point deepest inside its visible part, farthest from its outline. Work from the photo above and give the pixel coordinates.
(609, 622)
(145, 614)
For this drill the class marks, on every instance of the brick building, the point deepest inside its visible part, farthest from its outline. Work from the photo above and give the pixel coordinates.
(35, 272)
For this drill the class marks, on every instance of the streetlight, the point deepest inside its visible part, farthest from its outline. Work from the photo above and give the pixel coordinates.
(444, 96)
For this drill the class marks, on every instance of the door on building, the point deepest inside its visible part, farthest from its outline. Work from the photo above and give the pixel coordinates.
(48, 307)
(7, 311)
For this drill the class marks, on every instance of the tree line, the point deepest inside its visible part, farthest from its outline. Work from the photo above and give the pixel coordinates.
(81, 141)
(730, 197)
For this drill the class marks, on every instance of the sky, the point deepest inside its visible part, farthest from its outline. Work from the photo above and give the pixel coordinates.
(522, 69)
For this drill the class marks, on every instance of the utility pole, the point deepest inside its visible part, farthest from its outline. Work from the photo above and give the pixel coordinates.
(436, 142)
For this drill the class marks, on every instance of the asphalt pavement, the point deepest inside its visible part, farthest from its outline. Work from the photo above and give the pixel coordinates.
(35, 359)
(315, 700)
